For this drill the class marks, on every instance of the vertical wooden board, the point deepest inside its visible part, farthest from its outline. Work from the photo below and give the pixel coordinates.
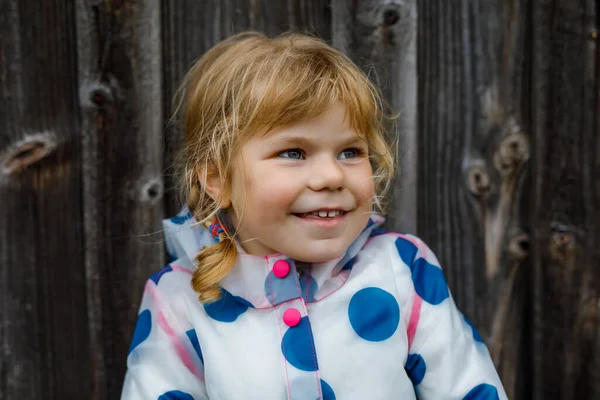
(567, 195)
(473, 152)
(119, 61)
(193, 27)
(381, 37)
(43, 319)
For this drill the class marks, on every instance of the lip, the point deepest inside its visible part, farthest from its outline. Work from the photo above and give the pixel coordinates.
(327, 223)
(333, 208)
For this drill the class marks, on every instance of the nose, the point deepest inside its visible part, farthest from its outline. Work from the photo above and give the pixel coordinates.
(326, 174)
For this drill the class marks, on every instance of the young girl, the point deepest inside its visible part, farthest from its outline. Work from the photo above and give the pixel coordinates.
(282, 284)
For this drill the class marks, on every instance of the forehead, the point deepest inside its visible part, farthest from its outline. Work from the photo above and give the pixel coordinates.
(333, 124)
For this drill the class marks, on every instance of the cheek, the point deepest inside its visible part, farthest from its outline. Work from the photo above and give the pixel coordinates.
(363, 184)
(270, 190)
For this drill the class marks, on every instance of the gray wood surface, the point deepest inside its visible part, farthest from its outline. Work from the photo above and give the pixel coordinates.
(43, 317)
(380, 36)
(566, 200)
(498, 131)
(474, 147)
(120, 108)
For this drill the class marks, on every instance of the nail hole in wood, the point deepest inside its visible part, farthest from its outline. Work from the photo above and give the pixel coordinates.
(98, 98)
(524, 245)
(390, 17)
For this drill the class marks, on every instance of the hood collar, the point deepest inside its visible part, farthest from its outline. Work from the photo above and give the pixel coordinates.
(252, 280)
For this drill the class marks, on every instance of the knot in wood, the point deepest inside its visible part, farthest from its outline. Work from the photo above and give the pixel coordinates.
(512, 153)
(390, 17)
(152, 191)
(478, 180)
(518, 246)
(96, 95)
(28, 151)
(562, 243)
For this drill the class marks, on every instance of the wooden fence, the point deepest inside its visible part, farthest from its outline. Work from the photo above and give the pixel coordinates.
(499, 133)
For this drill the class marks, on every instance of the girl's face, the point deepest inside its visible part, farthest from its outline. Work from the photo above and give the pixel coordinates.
(303, 190)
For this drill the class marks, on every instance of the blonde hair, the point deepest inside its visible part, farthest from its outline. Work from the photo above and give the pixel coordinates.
(250, 84)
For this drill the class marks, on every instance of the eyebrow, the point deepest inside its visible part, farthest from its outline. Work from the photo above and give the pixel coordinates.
(301, 141)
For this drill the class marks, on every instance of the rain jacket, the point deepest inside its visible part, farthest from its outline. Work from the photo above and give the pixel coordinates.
(378, 323)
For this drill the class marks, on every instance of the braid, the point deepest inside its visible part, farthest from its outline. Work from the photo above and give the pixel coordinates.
(214, 263)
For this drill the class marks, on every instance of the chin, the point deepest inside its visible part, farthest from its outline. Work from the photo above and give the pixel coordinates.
(315, 257)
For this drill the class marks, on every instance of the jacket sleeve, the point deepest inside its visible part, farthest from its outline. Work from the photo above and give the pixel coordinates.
(447, 357)
(165, 360)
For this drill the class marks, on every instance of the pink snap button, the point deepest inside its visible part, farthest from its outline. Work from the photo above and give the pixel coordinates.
(291, 317)
(281, 268)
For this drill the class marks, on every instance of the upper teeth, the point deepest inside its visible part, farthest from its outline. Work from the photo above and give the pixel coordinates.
(324, 214)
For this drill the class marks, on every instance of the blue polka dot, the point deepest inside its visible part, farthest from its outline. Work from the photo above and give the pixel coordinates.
(227, 308)
(297, 346)
(280, 290)
(191, 334)
(378, 232)
(309, 287)
(156, 277)
(327, 391)
(482, 392)
(180, 219)
(374, 314)
(429, 282)
(142, 329)
(407, 250)
(415, 368)
(176, 395)
(428, 279)
(476, 335)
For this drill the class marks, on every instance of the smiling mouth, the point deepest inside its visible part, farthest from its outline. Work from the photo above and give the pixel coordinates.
(322, 214)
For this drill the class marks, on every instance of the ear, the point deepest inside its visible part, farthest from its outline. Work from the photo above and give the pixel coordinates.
(213, 185)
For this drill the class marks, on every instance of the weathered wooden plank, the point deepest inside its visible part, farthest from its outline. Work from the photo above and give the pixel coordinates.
(473, 149)
(119, 61)
(192, 27)
(381, 37)
(43, 318)
(566, 197)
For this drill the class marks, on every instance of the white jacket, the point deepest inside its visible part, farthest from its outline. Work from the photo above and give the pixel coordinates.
(377, 324)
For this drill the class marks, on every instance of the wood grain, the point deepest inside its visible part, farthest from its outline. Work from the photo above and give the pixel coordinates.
(43, 317)
(381, 37)
(474, 147)
(120, 103)
(499, 136)
(566, 200)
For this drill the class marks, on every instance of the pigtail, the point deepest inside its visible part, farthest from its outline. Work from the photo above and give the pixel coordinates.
(213, 264)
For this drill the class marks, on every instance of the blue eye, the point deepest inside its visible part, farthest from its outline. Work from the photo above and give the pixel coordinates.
(294, 154)
(349, 153)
